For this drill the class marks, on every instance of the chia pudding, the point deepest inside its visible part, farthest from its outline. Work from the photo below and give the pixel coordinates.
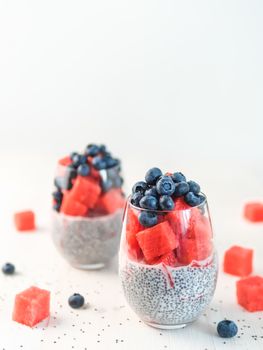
(87, 207)
(167, 261)
(87, 242)
(165, 296)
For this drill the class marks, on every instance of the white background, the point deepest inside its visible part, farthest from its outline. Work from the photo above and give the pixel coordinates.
(177, 84)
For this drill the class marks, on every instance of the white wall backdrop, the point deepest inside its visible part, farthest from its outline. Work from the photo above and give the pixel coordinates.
(180, 78)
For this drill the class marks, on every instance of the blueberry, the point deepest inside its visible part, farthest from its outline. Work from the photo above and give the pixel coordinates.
(151, 192)
(82, 159)
(165, 186)
(178, 177)
(149, 202)
(181, 188)
(76, 160)
(106, 185)
(192, 199)
(202, 198)
(118, 182)
(57, 195)
(99, 163)
(102, 149)
(111, 162)
(76, 301)
(92, 150)
(8, 269)
(153, 175)
(135, 199)
(193, 187)
(72, 154)
(166, 203)
(148, 218)
(140, 186)
(227, 329)
(71, 172)
(57, 206)
(83, 170)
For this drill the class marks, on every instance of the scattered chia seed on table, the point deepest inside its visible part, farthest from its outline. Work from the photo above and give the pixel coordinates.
(166, 295)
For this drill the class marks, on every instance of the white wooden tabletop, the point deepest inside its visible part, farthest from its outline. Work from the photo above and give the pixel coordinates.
(108, 322)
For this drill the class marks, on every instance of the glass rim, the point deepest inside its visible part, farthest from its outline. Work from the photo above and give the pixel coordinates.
(158, 211)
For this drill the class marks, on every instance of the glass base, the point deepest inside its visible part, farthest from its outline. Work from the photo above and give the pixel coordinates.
(97, 266)
(166, 326)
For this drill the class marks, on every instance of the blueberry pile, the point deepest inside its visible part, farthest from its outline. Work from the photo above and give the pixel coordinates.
(159, 192)
(82, 164)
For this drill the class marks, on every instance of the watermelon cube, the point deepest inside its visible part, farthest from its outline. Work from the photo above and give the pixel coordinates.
(157, 240)
(199, 227)
(25, 220)
(134, 250)
(31, 306)
(193, 250)
(238, 261)
(254, 212)
(85, 190)
(133, 223)
(72, 207)
(168, 259)
(65, 161)
(250, 293)
(110, 201)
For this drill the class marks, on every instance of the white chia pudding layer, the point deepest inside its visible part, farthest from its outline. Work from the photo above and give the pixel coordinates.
(165, 295)
(87, 241)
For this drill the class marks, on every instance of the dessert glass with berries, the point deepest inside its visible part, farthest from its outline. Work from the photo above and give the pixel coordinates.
(167, 261)
(88, 207)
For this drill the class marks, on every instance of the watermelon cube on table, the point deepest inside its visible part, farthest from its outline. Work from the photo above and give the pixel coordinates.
(85, 191)
(31, 306)
(25, 220)
(157, 240)
(253, 211)
(72, 207)
(250, 293)
(238, 261)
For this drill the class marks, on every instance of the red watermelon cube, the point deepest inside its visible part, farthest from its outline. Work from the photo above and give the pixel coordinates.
(65, 161)
(133, 223)
(250, 293)
(72, 207)
(193, 250)
(111, 201)
(195, 241)
(168, 259)
(25, 220)
(134, 250)
(254, 212)
(199, 227)
(238, 261)
(157, 240)
(31, 306)
(85, 190)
